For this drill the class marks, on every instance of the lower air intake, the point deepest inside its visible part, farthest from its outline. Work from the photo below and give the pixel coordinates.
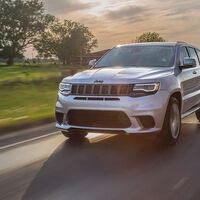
(147, 121)
(98, 119)
(59, 117)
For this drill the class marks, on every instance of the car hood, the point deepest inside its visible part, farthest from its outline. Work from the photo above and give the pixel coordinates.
(120, 74)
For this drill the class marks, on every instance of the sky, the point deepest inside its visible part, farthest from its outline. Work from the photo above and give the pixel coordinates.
(116, 22)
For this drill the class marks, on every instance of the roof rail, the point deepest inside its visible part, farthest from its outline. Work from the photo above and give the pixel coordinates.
(180, 42)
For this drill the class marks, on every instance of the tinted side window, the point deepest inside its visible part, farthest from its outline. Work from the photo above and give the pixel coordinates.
(193, 54)
(198, 53)
(183, 54)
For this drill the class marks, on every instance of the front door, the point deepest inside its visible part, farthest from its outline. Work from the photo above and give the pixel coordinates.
(189, 78)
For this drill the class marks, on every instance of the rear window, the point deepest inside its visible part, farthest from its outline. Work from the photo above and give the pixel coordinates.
(183, 54)
(193, 54)
(198, 53)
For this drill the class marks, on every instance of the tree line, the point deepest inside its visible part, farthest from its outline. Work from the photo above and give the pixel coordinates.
(25, 22)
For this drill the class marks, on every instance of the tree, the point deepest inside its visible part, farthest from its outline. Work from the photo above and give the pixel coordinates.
(65, 41)
(149, 37)
(20, 23)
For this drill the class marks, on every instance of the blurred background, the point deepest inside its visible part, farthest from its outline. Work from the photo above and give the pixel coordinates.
(42, 41)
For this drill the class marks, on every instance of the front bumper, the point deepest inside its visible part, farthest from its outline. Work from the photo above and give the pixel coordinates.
(153, 105)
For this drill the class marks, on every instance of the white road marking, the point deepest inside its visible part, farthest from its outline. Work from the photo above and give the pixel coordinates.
(27, 131)
(29, 140)
(180, 183)
(90, 136)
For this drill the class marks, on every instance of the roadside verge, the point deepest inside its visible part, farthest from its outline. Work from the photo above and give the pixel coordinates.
(30, 124)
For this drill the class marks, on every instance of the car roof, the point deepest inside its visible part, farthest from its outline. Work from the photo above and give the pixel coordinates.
(158, 44)
(152, 44)
(172, 44)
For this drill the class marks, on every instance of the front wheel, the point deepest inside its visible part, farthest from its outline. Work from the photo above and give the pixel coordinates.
(172, 124)
(75, 134)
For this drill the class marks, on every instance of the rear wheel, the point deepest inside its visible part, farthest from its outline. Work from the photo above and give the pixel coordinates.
(198, 114)
(75, 134)
(172, 124)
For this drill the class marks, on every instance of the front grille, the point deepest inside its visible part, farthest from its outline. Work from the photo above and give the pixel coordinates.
(98, 119)
(101, 90)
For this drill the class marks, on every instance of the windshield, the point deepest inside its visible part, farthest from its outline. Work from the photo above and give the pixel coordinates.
(145, 56)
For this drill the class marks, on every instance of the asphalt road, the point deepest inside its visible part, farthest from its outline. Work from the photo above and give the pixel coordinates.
(41, 164)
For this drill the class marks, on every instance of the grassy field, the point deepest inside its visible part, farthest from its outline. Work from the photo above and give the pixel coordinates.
(30, 72)
(29, 101)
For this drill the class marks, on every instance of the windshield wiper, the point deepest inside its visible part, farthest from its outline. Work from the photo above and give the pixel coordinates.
(102, 66)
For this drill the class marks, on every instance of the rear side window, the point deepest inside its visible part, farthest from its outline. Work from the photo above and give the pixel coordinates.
(198, 53)
(193, 54)
(183, 54)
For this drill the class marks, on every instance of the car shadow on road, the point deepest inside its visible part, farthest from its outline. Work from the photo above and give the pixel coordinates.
(110, 168)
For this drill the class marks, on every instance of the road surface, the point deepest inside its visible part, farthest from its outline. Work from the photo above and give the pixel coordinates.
(41, 164)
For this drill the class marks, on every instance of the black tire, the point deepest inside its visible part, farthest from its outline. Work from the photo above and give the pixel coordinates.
(172, 123)
(75, 134)
(198, 114)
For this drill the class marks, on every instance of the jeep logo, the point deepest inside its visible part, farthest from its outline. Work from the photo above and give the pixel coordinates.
(98, 81)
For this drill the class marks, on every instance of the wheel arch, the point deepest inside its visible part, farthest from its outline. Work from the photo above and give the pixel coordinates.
(165, 130)
(178, 96)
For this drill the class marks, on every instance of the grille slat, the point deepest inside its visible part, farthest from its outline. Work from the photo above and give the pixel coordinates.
(88, 89)
(123, 89)
(100, 92)
(74, 89)
(77, 89)
(92, 90)
(81, 89)
(109, 89)
(113, 90)
(96, 90)
(84, 90)
(104, 89)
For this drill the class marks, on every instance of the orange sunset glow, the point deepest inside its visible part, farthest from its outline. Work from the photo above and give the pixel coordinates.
(120, 21)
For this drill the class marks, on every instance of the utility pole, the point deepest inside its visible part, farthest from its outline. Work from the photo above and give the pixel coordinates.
(81, 58)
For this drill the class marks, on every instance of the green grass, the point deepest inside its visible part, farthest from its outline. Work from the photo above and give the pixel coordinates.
(24, 73)
(30, 72)
(27, 102)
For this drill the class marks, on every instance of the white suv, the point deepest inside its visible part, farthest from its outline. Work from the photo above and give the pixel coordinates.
(134, 88)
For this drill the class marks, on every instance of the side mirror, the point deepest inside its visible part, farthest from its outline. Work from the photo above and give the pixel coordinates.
(189, 63)
(92, 62)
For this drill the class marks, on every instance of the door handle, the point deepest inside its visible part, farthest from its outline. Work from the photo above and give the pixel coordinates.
(194, 72)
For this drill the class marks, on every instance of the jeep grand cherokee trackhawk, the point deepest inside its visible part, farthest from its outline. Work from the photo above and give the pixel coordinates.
(134, 88)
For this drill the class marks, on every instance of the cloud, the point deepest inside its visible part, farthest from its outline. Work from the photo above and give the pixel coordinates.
(120, 21)
(179, 7)
(184, 10)
(129, 13)
(65, 6)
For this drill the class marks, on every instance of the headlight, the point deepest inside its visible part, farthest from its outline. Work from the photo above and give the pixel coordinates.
(144, 89)
(65, 88)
